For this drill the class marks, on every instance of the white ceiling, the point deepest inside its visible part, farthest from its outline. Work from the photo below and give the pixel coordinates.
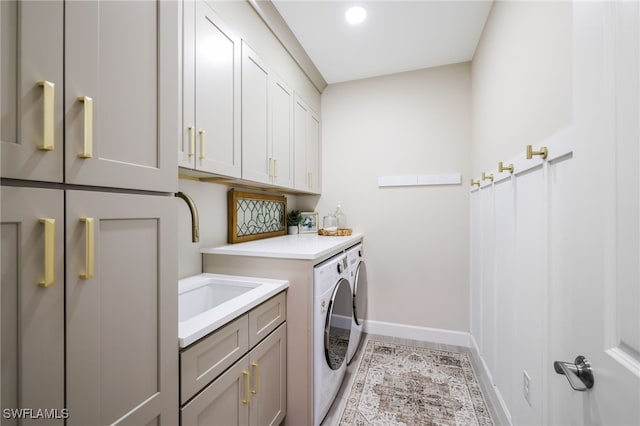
(397, 36)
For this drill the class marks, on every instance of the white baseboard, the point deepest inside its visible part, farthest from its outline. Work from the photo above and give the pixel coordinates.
(435, 335)
(487, 379)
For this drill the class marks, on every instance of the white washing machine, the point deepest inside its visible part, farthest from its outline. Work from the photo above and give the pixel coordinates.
(332, 300)
(358, 280)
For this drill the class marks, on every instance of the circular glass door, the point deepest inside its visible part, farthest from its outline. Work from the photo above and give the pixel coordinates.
(337, 329)
(360, 294)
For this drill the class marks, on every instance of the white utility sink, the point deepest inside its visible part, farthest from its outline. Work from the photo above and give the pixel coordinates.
(208, 301)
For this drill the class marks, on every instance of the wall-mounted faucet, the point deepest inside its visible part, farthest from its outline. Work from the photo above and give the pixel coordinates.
(195, 219)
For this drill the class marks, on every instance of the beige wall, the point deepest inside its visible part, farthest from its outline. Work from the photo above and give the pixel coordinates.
(521, 79)
(416, 238)
(211, 201)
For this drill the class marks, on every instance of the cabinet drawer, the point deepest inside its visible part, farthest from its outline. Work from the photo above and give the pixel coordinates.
(205, 360)
(266, 318)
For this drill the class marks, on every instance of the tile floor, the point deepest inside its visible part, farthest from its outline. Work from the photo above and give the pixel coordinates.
(335, 412)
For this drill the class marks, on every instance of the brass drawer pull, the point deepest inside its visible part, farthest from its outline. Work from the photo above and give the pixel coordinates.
(87, 150)
(49, 92)
(49, 252)
(89, 259)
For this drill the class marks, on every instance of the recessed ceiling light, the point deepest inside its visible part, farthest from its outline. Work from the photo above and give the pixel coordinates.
(355, 15)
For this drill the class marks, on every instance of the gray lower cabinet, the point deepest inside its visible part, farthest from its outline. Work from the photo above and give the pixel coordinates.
(121, 309)
(252, 390)
(268, 362)
(32, 302)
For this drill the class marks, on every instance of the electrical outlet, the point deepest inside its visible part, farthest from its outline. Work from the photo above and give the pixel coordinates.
(526, 386)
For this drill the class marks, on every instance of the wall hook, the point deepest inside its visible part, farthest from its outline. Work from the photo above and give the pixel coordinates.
(487, 177)
(542, 153)
(503, 168)
(475, 182)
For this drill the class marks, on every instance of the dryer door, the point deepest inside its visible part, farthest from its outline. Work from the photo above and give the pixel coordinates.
(337, 329)
(360, 294)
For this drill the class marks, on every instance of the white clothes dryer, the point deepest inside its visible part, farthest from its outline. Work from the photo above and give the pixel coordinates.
(358, 280)
(331, 331)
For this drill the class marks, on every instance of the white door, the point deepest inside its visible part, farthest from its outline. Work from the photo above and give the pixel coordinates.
(595, 232)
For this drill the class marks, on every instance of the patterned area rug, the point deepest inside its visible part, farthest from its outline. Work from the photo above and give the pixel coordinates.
(404, 385)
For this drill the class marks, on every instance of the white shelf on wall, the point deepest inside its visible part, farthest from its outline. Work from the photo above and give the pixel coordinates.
(420, 180)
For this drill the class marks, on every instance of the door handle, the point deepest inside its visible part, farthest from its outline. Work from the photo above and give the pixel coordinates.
(49, 92)
(192, 142)
(89, 259)
(579, 374)
(49, 252)
(202, 155)
(87, 147)
(256, 368)
(247, 386)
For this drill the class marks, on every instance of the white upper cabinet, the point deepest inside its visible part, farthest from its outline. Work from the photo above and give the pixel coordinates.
(267, 119)
(306, 147)
(257, 163)
(31, 90)
(120, 93)
(281, 104)
(210, 140)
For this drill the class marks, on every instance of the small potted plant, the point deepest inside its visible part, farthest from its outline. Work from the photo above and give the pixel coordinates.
(294, 217)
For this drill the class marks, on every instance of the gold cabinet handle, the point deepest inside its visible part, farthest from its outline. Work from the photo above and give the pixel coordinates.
(275, 167)
(503, 168)
(49, 252)
(192, 141)
(48, 128)
(475, 182)
(487, 177)
(202, 155)
(87, 150)
(542, 152)
(89, 260)
(246, 387)
(309, 179)
(256, 369)
(270, 166)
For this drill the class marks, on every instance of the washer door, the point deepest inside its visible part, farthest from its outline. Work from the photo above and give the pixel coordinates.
(360, 294)
(337, 329)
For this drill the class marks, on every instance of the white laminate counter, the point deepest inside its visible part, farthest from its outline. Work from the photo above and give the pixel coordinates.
(302, 246)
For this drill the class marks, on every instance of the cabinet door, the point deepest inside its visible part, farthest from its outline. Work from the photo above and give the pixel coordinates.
(313, 152)
(281, 106)
(257, 163)
(31, 89)
(224, 402)
(121, 302)
(217, 94)
(32, 301)
(301, 176)
(268, 363)
(187, 139)
(121, 94)
(306, 138)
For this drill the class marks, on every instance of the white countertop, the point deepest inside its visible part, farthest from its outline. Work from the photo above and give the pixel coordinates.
(302, 246)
